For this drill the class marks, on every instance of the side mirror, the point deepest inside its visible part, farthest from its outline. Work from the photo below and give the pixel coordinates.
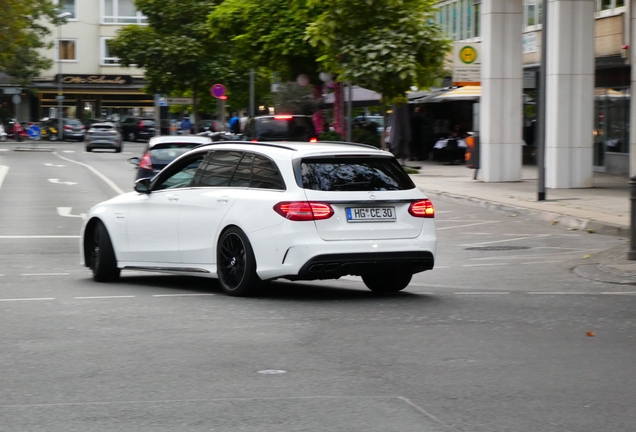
(143, 186)
(134, 160)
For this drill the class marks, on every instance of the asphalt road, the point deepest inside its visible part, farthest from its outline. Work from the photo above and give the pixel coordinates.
(500, 336)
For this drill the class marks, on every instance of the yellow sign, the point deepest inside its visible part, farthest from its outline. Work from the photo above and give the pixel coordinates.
(468, 54)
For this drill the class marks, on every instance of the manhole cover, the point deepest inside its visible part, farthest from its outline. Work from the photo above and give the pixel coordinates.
(497, 248)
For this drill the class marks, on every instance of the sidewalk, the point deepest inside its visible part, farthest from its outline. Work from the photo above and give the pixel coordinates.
(602, 209)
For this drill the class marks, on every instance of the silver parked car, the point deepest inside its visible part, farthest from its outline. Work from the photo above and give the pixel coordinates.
(103, 136)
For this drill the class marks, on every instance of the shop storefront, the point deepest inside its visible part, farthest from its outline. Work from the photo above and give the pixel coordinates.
(93, 96)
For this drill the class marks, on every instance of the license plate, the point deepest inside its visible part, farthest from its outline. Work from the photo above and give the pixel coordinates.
(370, 214)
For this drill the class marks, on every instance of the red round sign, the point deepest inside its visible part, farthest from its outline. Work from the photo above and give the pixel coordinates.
(217, 90)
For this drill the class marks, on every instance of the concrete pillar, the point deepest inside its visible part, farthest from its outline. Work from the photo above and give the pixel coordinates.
(501, 107)
(570, 94)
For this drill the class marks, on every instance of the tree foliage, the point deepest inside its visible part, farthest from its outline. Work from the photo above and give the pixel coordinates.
(23, 32)
(177, 54)
(383, 45)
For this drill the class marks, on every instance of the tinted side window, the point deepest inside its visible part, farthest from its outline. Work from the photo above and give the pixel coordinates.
(354, 174)
(265, 174)
(249, 129)
(243, 173)
(220, 168)
(180, 176)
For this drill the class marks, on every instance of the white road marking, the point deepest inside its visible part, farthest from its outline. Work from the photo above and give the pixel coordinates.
(4, 149)
(467, 225)
(484, 265)
(53, 165)
(506, 240)
(108, 181)
(66, 212)
(619, 293)
(44, 274)
(103, 297)
(27, 299)
(559, 293)
(68, 151)
(482, 293)
(442, 267)
(3, 172)
(538, 262)
(546, 255)
(41, 237)
(57, 181)
(183, 295)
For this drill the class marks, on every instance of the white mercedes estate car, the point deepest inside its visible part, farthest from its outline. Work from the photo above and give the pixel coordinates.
(250, 212)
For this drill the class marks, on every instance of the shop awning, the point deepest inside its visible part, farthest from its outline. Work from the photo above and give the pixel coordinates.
(450, 94)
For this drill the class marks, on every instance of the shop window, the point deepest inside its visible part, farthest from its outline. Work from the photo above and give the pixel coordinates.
(67, 50)
(611, 125)
(107, 58)
(121, 12)
(67, 6)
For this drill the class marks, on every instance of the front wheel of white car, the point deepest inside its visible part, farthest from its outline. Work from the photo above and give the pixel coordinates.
(236, 265)
(389, 282)
(102, 256)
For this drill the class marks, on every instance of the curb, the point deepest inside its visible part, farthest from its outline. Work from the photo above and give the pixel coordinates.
(591, 226)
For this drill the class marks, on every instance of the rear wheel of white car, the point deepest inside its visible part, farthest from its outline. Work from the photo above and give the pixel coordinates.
(103, 261)
(236, 265)
(386, 282)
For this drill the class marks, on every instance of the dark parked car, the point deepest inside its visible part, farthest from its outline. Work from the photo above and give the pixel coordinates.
(72, 129)
(137, 128)
(280, 128)
(162, 150)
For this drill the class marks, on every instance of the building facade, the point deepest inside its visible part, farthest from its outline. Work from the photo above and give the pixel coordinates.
(609, 30)
(84, 73)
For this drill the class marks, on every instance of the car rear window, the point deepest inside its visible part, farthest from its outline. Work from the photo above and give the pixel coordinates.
(284, 128)
(148, 122)
(74, 122)
(102, 127)
(354, 174)
(168, 152)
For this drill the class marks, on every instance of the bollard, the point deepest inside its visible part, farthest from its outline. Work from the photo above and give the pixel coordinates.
(631, 255)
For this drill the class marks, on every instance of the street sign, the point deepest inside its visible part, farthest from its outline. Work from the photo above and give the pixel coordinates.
(33, 131)
(466, 63)
(217, 90)
(16, 99)
(179, 101)
(162, 101)
(12, 90)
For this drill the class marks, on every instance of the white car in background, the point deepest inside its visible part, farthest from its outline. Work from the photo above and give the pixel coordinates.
(248, 212)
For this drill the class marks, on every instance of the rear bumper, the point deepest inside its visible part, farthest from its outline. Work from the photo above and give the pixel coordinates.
(332, 266)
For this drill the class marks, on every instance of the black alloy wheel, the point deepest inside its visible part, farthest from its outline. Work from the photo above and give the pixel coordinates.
(389, 282)
(102, 256)
(236, 265)
(132, 137)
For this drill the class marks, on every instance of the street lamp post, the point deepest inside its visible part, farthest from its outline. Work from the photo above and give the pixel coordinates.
(60, 97)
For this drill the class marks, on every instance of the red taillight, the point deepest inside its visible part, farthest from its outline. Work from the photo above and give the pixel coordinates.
(422, 209)
(141, 124)
(303, 210)
(254, 140)
(83, 127)
(146, 162)
(313, 140)
(67, 127)
(283, 117)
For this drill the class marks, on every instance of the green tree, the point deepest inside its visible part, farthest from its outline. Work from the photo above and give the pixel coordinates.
(23, 33)
(177, 54)
(383, 45)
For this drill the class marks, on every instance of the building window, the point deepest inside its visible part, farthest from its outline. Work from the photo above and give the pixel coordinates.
(107, 58)
(121, 12)
(460, 19)
(67, 50)
(608, 5)
(67, 6)
(532, 12)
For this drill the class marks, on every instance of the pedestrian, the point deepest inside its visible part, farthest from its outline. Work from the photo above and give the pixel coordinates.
(186, 126)
(235, 124)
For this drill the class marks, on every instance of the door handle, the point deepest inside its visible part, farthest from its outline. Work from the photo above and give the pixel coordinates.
(223, 199)
(173, 198)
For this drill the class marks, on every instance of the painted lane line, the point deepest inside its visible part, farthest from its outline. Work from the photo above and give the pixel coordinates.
(4, 149)
(57, 181)
(53, 165)
(482, 293)
(103, 297)
(441, 267)
(182, 295)
(44, 274)
(41, 237)
(108, 181)
(618, 293)
(27, 299)
(559, 293)
(467, 225)
(506, 240)
(484, 265)
(3, 172)
(66, 212)
(543, 255)
(539, 262)
(68, 151)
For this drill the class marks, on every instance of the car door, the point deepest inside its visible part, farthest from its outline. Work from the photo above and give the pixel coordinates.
(224, 178)
(152, 229)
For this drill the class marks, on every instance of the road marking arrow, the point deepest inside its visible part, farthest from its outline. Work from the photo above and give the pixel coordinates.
(53, 165)
(57, 181)
(66, 212)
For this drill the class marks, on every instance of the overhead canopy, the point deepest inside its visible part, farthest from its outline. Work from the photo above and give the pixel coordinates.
(451, 94)
(360, 97)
